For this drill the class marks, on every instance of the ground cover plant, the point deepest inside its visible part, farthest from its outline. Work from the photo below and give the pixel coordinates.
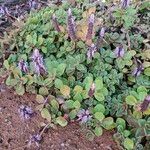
(87, 62)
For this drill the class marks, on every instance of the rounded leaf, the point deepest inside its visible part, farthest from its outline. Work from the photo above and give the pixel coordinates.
(46, 114)
(39, 98)
(98, 131)
(128, 144)
(65, 90)
(99, 108)
(61, 121)
(131, 100)
(99, 116)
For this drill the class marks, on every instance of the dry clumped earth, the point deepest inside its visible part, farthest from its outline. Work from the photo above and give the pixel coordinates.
(15, 133)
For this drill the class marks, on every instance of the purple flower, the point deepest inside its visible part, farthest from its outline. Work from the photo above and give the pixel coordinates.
(138, 69)
(125, 3)
(36, 138)
(23, 66)
(145, 103)
(25, 112)
(38, 62)
(84, 116)
(3, 10)
(33, 4)
(71, 25)
(119, 51)
(90, 27)
(102, 33)
(91, 51)
(55, 23)
(92, 90)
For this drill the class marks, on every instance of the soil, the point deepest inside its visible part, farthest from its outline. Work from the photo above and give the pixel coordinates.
(14, 132)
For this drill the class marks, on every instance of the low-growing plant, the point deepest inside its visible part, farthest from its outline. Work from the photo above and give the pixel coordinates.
(84, 65)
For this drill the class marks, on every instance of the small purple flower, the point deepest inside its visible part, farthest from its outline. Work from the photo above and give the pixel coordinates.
(90, 27)
(125, 4)
(3, 10)
(92, 90)
(23, 66)
(36, 138)
(91, 51)
(145, 103)
(25, 112)
(38, 62)
(138, 69)
(119, 51)
(84, 116)
(102, 33)
(33, 4)
(55, 23)
(71, 25)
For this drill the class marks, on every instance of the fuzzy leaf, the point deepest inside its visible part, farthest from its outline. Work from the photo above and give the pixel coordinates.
(99, 108)
(58, 83)
(131, 100)
(99, 116)
(43, 91)
(128, 144)
(39, 98)
(46, 114)
(60, 69)
(65, 90)
(147, 71)
(61, 121)
(98, 131)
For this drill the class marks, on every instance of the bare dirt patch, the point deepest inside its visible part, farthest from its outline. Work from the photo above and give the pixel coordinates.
(14, 132)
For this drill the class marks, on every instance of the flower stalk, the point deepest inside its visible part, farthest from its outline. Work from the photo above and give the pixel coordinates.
(37, 59)
(91, 51)
(119, 51)
(23, 66)
(90, 27)
(55, 23)
(71, 25)
(84, 116)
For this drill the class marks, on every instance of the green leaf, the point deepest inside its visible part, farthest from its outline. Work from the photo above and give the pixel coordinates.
(46, 114)
(99, 96)
(43, 91)
(78, 89)
(69, 104)
(126, 133)
(78, 97)
(108, 123)
(99, 116)
(54, 103)
(44, 49)
(128, 144)
(121, 122)
(131, 100)
(61, 121)
(77, 104)
(73, 114)
(40, 40)
(65, 90)
(88, 82)
(20, 90)
(99, 83)
(147, 71)
(99, 108)
(98, 131)
(6, 64)
(39, 98)
(141, 89)
(60, 69)
(58, 83)
(81, 68)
